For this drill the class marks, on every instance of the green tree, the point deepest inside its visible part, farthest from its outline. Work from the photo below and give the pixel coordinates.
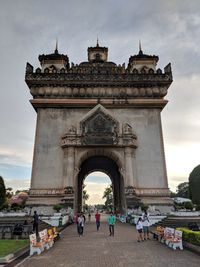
(2, 192)
(85, 194)
(183, 190)
(172, 194)
(108, 195)
(194, 185)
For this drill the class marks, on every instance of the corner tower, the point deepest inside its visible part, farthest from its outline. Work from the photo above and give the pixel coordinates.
(97, 115)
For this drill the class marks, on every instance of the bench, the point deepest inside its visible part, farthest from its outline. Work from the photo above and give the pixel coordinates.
(53, 233)
(46, 240)
(169, 236)
(158, 233)
(35, 246)
(176, 241)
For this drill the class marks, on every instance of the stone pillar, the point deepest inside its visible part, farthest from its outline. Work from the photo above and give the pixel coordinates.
(65, 162)
(128, 166)
(68, 170)
(134, 168)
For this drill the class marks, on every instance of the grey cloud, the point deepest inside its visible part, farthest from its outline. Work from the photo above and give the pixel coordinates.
(170, 29)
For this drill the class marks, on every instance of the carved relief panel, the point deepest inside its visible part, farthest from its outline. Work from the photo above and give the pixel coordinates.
(99, 129)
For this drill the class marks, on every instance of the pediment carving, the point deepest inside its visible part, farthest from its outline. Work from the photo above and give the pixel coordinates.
(99, 128)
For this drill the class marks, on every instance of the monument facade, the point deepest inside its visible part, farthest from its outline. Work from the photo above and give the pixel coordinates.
(99, 116)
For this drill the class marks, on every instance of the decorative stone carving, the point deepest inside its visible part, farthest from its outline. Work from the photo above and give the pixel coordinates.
(70, 141)
(127, 129)
(68, 190)
(152, 192)
(46, 192)
(38, 70)
(72, 130)
(99, 129)
(132, 200)
(129, 191)
(29, 68)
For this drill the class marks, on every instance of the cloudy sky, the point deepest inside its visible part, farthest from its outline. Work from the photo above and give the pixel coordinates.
(170, 29)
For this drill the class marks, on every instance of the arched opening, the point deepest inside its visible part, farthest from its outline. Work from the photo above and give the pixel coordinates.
(106, 165)
(95, 185)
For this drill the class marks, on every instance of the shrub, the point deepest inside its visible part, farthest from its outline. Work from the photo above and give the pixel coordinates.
(190, 236)
(188, 205)
(144, 207)
(194, 184)
(5, 206)
(15, 207)
(198, 207)
(57, 207)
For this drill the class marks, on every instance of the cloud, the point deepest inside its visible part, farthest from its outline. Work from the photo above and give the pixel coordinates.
(95, 191)
(95, 199)
(17, 184)
(97, 177)
(9, 171)
(170, 29)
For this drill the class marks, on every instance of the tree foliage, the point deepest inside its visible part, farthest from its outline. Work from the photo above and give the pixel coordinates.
(85, 194)
(194, 185)
(183, 190)
(107, 192)
(9, 192)
(108, 195)
(2, 192)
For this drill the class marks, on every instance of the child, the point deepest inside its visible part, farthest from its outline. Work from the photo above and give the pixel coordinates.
(139, 227)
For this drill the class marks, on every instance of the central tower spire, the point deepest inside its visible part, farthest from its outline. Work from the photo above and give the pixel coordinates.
(97, 42)
(56, 49)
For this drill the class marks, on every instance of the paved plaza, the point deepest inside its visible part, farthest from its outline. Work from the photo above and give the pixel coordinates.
(98, 249)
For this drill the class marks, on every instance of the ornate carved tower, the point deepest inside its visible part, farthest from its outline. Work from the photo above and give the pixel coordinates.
(99, 116)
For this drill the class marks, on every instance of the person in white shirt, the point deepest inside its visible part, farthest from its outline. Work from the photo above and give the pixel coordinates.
(145, 224)
(80, 222)
(139, 228)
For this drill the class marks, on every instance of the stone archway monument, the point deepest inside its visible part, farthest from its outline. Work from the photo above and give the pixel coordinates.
(97, 115)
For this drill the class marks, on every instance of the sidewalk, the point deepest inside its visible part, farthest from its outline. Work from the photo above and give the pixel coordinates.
(98, 249)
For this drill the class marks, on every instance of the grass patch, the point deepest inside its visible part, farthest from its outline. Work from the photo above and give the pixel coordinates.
(10, 246)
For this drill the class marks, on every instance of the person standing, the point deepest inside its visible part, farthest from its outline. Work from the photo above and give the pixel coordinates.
(139, 228)
(111, 223)
(81, 223)
(35, 222)
(145, 223)
(97, 217)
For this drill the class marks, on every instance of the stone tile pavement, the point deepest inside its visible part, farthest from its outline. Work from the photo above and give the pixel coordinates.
(98, 249)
